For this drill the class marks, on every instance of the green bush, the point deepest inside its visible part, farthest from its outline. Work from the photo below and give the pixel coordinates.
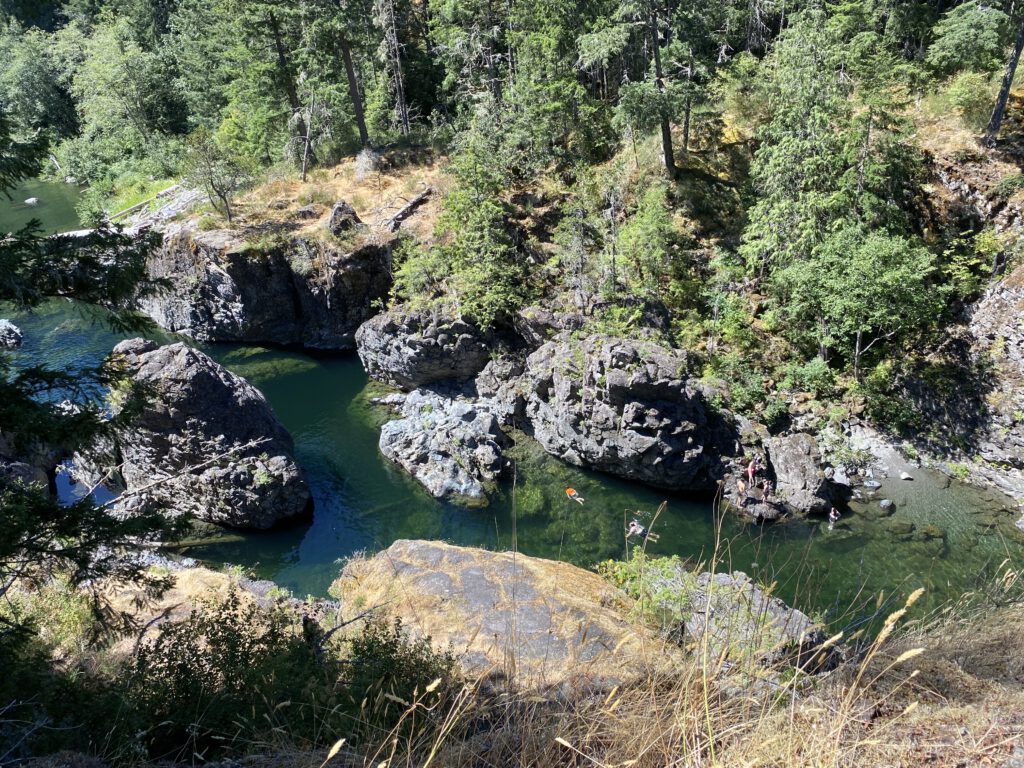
(969, 95)
(388, 671)
(230, 674)
(1008, 186)
(813, 376)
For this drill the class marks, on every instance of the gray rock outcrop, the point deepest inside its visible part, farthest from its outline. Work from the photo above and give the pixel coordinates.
(740, 621)
(553, 621)
(997, 331)
(287, 290)
(410, 348)
(194, 411)
(10, 335)
(452, 446)
(629, 408)
(343, 219)
(799, 477)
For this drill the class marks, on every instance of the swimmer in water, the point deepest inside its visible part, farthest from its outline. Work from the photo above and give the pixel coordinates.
(636, 529)
(833, 517)
(574, 495)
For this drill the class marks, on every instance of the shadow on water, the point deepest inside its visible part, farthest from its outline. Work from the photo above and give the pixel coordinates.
(946, 539)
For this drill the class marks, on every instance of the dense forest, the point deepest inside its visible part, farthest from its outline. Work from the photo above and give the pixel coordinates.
(795, 203)
(789, 138)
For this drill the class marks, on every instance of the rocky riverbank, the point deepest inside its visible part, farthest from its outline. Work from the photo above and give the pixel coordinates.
(269, 287)
(635, 409)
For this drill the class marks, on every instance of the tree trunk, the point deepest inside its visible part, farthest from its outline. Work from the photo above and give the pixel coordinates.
(285, 70)
(666, 128)
(686, 127)
(307, 143)
(856, 358)
(992, 132)
(386, 14)
(353, 92)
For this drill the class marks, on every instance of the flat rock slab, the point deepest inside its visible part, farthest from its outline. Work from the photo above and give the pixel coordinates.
(544, 622)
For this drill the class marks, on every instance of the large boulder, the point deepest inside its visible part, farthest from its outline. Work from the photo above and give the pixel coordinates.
(410, 348)
(738, 619)
(800, 480)
(451, 445)
(287, 290)
(205, 442)
(629, 408)
(541, 620)
(10, 335)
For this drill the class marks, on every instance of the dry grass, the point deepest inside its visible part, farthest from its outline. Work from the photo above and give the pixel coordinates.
(376, 196)
(944, 692)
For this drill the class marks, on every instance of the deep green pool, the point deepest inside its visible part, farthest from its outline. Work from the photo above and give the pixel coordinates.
(364, 503)
(55, 210)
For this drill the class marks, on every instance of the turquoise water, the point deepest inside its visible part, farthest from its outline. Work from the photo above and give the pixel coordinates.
(363, 502)
(55, 210)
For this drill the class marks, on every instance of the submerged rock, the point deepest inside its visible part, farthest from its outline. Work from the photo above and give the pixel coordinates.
(452, 446)
(410, 348)
(541, 621)
(799, 478)
(10, 335)
(195, 434)
(624, 407)
(290, 290)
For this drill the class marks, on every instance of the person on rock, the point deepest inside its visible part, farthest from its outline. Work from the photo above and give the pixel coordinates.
(766, 488)
(637, 529)
(573, 494)
(752, 468)
(741, 491)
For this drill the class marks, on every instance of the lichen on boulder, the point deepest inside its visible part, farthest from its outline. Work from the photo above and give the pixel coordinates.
(542, 621)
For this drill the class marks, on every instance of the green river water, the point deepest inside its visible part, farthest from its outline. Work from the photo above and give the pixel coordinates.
(55, 210)
(363, 503)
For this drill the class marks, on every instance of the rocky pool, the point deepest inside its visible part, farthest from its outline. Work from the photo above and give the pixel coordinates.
(54, 209)
(945, 536)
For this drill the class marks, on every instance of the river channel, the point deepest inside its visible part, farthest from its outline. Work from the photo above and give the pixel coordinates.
(962, 536)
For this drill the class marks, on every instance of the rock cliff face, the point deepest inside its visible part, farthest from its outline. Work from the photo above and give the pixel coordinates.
(451, 445)
(542, 620)
(628, 408)
(289, 291)
(410, 349)
(197, 410)
(997, 331)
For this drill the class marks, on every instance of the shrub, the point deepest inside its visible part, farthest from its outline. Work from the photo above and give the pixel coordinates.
(388, 671)
(813, 376)
(231, 672)
(970, 97)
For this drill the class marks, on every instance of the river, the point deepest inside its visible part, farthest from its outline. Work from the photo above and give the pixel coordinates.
(55, 210)
(363, 503)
